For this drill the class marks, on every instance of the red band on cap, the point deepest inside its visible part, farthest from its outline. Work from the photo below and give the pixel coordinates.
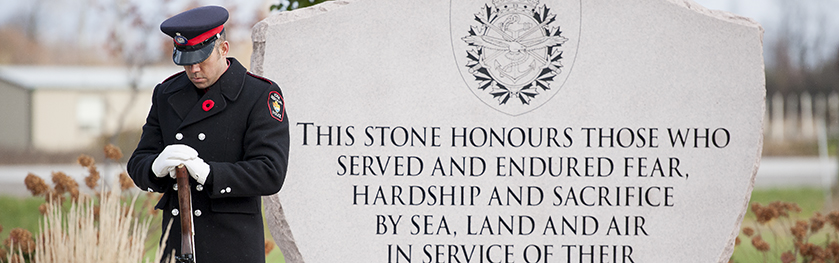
(206, 35)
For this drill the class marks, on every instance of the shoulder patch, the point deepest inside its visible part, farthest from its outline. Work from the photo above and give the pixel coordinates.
(173, 76)
(276, 105)
(260, 77)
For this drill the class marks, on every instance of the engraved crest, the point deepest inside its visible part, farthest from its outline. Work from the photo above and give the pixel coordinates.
(514, 53)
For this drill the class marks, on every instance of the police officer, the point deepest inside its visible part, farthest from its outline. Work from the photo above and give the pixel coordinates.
(228, 127)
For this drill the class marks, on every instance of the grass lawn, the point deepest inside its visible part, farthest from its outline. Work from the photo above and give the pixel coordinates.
(19, 213)
(776, 232)
(23, 212)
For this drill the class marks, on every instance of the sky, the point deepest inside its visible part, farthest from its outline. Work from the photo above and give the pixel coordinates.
(82, 21)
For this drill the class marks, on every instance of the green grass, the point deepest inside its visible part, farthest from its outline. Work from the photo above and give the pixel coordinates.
(19, 213)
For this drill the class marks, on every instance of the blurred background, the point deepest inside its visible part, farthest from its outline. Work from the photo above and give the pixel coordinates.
(76, 75)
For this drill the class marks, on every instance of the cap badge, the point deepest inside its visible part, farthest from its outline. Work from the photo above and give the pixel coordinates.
(207, 105)
(181, 40)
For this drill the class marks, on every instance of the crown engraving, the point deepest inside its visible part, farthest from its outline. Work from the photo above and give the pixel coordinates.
(515, 6)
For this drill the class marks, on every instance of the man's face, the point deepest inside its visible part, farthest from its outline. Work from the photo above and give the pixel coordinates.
(207, 72)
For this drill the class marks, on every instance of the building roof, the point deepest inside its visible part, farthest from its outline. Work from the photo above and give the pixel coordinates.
(78, 77)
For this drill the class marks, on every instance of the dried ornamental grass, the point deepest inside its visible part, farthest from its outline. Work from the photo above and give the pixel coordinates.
(36, 185)
(817, 222)
(22, 239)
(151, 200)
(65, 184)
(800, 248)
(269, 245)
(92, 229)
(760, 244)
(812, 251)
(43, 208)
(53, 196)
(86, 161)
(787, 257)
(112, 152)
(833, 249)
(833, 219)
(799, 231)
(125, 181)
(774, 210)
(15, 258)
(92, 180)
(748, 231)
(75, 236)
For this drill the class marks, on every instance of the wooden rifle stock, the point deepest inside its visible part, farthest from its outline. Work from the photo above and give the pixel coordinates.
(185, 207)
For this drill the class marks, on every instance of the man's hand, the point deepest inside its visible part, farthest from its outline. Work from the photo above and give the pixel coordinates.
(198, 169)
(171, 157)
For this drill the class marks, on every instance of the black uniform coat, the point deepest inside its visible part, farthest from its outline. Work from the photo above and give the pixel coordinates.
(239, 127)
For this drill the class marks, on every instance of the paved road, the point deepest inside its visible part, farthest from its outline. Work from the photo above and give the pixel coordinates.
(773, 172)
(796, 171)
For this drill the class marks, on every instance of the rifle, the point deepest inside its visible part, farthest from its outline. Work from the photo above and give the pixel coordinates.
(185, 206)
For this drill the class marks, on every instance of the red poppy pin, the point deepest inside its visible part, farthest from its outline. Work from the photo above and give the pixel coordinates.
(207, 105)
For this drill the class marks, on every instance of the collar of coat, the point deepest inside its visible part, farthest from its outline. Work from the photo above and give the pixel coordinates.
(188, 104)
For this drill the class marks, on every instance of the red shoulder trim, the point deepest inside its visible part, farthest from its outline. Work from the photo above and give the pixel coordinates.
(260, 77)
(173, 76)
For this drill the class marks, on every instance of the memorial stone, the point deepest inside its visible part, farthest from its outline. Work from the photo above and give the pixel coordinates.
(514, 130)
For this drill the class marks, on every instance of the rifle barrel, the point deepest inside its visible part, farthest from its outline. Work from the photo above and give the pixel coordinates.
(185, 207)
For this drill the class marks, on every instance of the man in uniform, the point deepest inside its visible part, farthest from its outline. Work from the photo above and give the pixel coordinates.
(228, 127)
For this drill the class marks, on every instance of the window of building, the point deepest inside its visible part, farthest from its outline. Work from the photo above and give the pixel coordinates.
(90, 114)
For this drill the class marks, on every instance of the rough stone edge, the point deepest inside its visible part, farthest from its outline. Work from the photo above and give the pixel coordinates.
(280, 230)
(748, 22)
(274, 215)
(725, 257)
(259, 29)
(722, 15)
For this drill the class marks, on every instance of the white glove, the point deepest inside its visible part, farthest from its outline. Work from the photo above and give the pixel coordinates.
(172, 156)
(198, 169)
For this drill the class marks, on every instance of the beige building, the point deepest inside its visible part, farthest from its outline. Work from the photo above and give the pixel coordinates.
(54, 108)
